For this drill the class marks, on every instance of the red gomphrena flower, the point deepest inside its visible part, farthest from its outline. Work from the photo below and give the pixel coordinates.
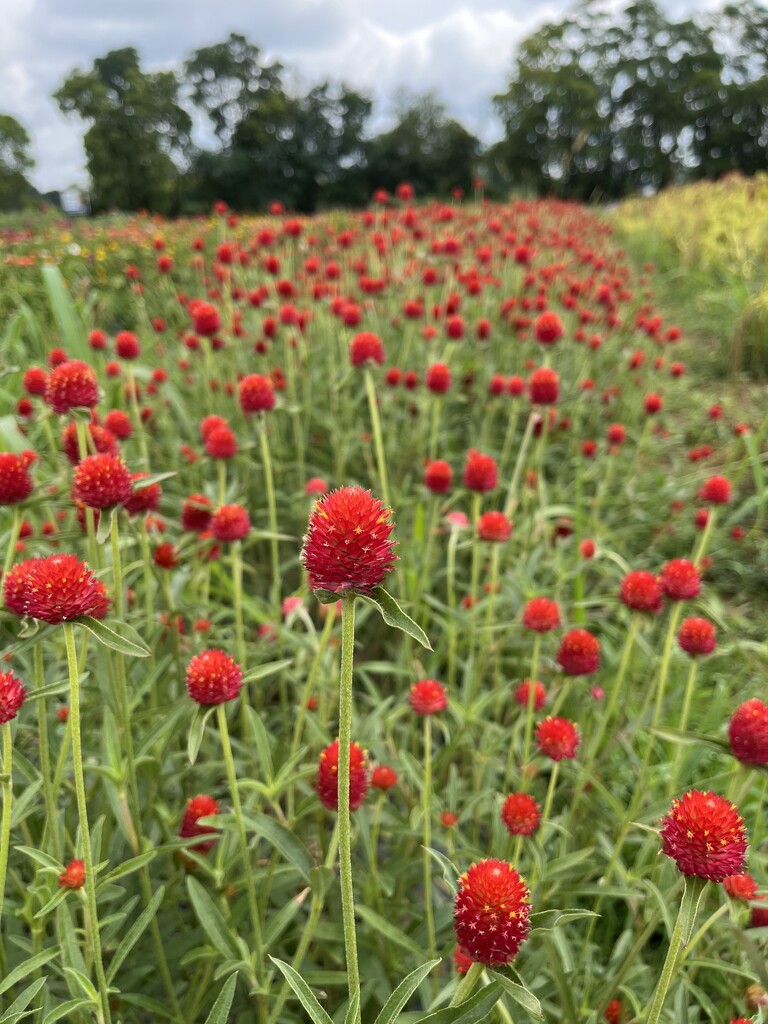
(541, 614)
(705, 835)
(544, 386)
(579, 653)
(748, 732)
(716, 490)
(613, 1012)
(587, 548)
(548, 327)
(73, 875)
(427, 697)
(494, 527)
(557, 738)
(641, 591)
(740, 1020)
(230, 522)
(54, 589)
(480, 472)
(221, 443)
(199, 807)
(758, 918)
(680, 580)
(213, 677)
(102, 481)
(348, 543)
(35, 380)
(383, 777)
(196, 513)
(438, 476)
(523, 693)
(491, 912)
(72, 385)
(697, 636)
(438, 378)
(257, 393)
(119, 424)
(16, 483)
(166, 556)
(210, 423)
(142, 499)
(12, 696)
(521, 814)
(127, 345)
(652, 404)
(366, 347)
(327, 784)
(461, 960)
(616, 434)
(316, 485)
(206, 318)
(741, 887)
(102, 439)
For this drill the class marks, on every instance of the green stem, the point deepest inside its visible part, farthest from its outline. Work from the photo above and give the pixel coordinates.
(5, 826)
(381, 462)
(345, 834)
(689, 688)
(703, 543)
(250, 885)
(269, 483)
(511, 502)
(467, 984)
(694, 887)
(426, 804)
(529, 713)
(49, 790)
(104, 1014)
(473, 611)
(549, 798)
(450, 570)
(666, 657)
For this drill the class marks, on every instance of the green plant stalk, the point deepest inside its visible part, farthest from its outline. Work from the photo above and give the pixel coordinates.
(450, 570)
(307, 932)
(381, 462)
(250, 885)
(237, 599)
(138, 422)
(467, 984)
(51, 829)
(509, 437)
(493, 583)
(474, 681)
(701, 547)
(427, 553)
(689, 688)
(666, 657)
(146, 565)
(92, 917)
(5, 823)
(541, 451)
(434, 429)
(269, 483)
(345, 833)
(90, 517)
(694, 887)
(529, 713)
(548, 800)
(426, 804)
(511, 503)
(221, 476)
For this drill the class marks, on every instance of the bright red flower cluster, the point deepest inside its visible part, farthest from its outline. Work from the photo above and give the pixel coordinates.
(748, 732)
(716, 490)
(680, 580)
(438, 476)
(579, 653)
(641, 591)
(230, 522)
(557, 738)
(257, 393)
(705, 835)
(15, 480)
(73, 875)
(327, 784)
(741, 887)
(213, 677)
(521, 814)
(523, 693)
(102, 481)
(491, 912)
(72, 385)
(697, 636)
(480, 472)
(348, 542)
(494, 527)
(366, 347)
(199, 807)
(12, 696)
(541, 614)
(427, 697)
(54, 589)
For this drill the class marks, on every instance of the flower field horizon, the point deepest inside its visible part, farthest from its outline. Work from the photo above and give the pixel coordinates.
(382, 624)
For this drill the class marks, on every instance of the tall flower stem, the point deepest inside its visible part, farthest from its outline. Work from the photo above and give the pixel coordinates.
(49, 790)
(269, 483)
(5, 823)
(104, 1014)
(250, 885)
(474, 680)
(511, 502)
(689, 688)
(453, 541)
(426, 804)
(529, 713)
(345, 834)
(381, 462)
(703, 543)
(661, 682)
(694, 887)
(467, 984)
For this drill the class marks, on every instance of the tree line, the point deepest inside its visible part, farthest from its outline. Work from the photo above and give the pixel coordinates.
(597, 106)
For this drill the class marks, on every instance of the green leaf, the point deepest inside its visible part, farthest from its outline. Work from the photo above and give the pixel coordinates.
(20, 1004)
(196, 730)
(152, 478)
(220, 1010)
(509, 981)
(118, 636)
(266, 670)
(211, 919)
(394, 615)
(450, 872)
(11, 438)
(71, 327)
(28, 967)
(84, 983)
(303, 992)
(326, 596)
(104, 529)
(388, 930)
(287, 842)
(128, 866)
(65, 1010)
(280, 921)
(321, 879)
(474, 1010)
(391, 1009)
(353, 1009)
(45, 859)
(134, 933)
(58, 897)
(692, 893)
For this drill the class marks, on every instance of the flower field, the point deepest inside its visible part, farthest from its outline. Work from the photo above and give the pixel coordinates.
(382, 624)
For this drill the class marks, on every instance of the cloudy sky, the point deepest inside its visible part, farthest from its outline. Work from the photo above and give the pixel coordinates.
(460, 49)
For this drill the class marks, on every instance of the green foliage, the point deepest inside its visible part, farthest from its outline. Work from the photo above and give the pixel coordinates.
(15, 161)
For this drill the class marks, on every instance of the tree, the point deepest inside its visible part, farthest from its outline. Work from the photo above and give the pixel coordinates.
(15, 161)
(137, 127)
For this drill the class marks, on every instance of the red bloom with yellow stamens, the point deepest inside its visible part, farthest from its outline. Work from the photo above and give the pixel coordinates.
(541, 614)
(213, 677)
(55, 589)
(748, 732)
(257, 393)
(741, 887)
(72, 385)
(557, 738)
(491, 912)
(327, 784)
(73, 875)
(12, 696)
(705, 835)
(521, 814)
(15, 482)
(680, 580)
(579, 653)
(348, 542)
(102, 481)
(230, 522)
(427, 697)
